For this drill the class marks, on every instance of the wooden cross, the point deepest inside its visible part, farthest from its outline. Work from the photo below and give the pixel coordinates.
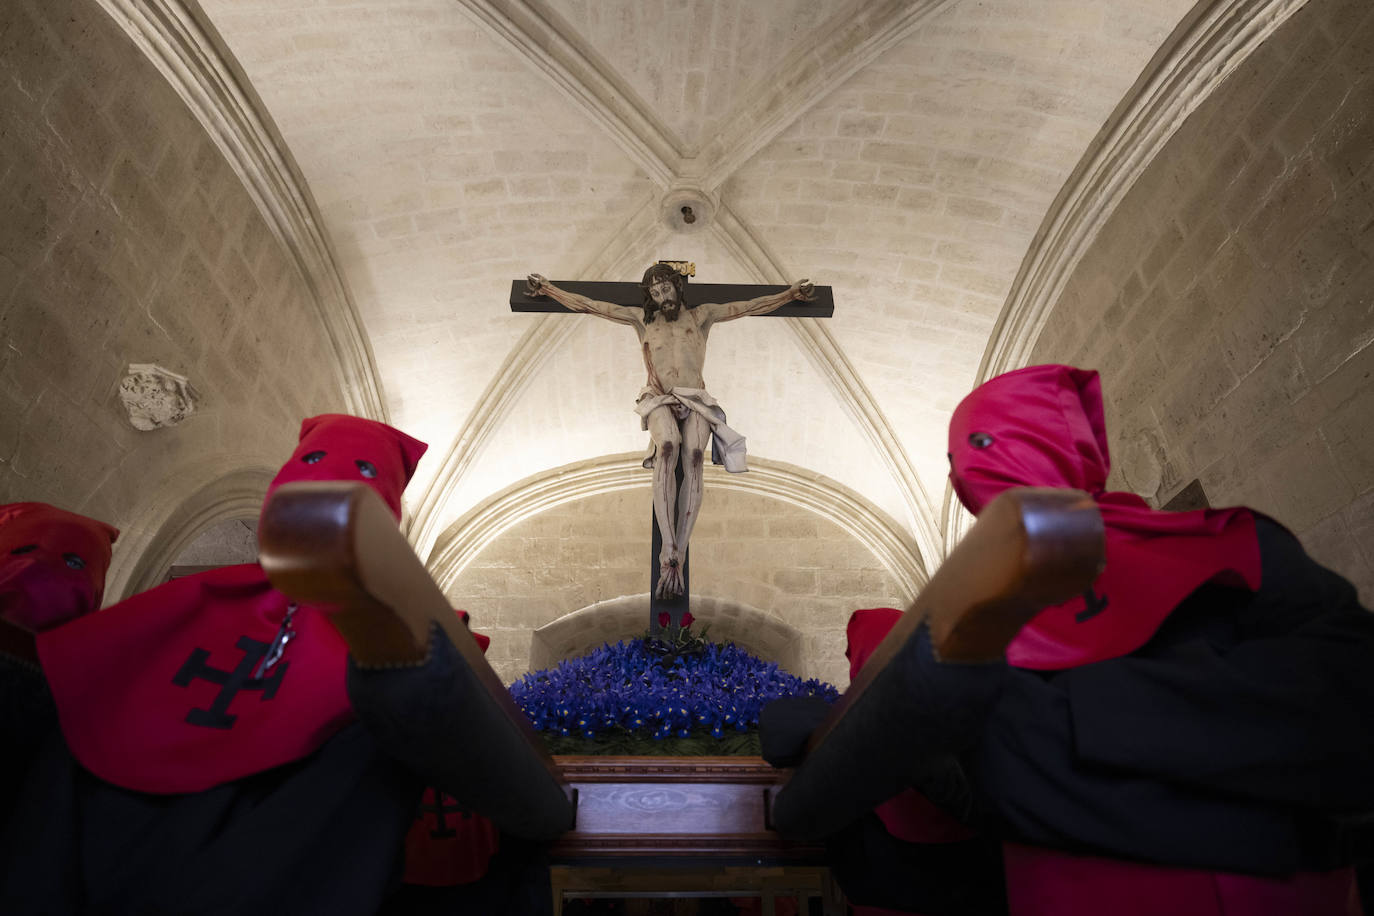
(631, 295)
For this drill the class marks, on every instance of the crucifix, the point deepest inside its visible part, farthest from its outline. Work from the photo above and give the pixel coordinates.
(674, 406)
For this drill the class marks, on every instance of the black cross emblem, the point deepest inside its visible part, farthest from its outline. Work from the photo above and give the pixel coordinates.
(1094, 605)
(447, 805)
(218, 716)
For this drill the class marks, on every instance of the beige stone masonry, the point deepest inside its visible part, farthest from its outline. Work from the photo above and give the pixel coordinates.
(1227, 299)
(802, 571)
(125, 237)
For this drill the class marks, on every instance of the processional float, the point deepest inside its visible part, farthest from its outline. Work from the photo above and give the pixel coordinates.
(337, 544)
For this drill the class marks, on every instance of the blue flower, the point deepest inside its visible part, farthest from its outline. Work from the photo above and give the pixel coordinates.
(626, 688)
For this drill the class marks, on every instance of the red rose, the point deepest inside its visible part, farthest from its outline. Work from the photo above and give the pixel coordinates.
(687, 618)
(664, 619)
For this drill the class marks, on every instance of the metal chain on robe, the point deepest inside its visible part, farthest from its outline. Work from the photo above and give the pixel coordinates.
(278, 646)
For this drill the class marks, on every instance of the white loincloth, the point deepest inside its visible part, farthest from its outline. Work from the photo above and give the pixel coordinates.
(727, 446)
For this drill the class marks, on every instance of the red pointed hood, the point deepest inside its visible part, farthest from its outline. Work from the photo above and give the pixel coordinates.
(339, 447)
(1043, 426)
(52, 564)
(867, 628)
(483, 641)
(213, 677)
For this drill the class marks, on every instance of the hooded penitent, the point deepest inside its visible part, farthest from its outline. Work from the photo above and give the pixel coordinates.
(52, 564)
(216, 676)
(447, 845)
(339, 447)
(1043, 426)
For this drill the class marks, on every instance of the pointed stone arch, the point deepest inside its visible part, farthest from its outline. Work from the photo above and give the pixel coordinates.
(467, 537)
(147, 549)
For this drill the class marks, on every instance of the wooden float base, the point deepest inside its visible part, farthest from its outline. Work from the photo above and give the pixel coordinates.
(681, 827)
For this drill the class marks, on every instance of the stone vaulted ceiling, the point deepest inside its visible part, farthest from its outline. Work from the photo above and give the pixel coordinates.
(905, 153)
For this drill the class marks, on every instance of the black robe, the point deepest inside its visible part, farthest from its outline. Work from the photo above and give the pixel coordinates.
(321, 835)
(27, 718)
(1240, 738)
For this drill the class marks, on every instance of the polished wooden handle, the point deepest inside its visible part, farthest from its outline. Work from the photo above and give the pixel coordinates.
(1030, 549)
(336, 544)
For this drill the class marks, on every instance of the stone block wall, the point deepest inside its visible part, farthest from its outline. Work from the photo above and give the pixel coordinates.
(769, 555)
(764, 635)
(125, 237)
(1229, 301)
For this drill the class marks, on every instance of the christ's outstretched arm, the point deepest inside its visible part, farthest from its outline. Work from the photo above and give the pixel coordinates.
(536, 285)
(710, 312)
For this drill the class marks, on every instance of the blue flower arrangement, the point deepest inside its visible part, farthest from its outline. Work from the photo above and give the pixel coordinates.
(642, 688)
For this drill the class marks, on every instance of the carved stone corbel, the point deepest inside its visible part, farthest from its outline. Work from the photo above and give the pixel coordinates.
(156, 398)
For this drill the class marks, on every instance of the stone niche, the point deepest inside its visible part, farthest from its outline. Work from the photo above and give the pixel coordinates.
(586, 629)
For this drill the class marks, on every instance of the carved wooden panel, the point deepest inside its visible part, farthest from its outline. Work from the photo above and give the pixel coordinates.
(708, 808)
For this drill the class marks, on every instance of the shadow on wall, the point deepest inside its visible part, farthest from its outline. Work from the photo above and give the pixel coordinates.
(581, 631)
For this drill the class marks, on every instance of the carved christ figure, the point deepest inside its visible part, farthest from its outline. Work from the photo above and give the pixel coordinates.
(673, 405)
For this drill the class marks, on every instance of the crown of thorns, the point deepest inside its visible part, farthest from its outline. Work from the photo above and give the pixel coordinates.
(663, 270)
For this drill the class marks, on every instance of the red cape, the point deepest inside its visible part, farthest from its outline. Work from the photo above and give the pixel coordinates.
(145, 689)
(1043, 426)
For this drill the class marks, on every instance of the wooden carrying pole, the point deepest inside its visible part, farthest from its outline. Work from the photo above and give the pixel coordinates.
(1031, 548)
(417, 680)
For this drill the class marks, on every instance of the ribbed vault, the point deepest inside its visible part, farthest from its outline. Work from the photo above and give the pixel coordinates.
(939, 162)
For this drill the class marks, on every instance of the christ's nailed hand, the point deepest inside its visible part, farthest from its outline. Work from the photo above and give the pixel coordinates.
(534, 285)
(805, 290)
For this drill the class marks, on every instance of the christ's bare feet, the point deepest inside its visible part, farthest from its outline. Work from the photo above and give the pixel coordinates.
(669, 578)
